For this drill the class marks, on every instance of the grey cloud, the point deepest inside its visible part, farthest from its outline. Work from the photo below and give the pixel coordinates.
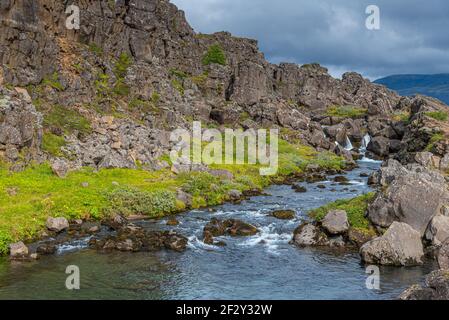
(412, 39)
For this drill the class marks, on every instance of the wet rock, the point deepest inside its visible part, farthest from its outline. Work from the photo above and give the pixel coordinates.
(175, 242)
(380, 146)
(284, 214)
(235, 195)
(309, 235)
(46, 248)
(299, 189)
(336, 222)
(321, 186)
(116, 222)
(358, 237)
(57, 224)
(436, 288)
(18, 250)
(364, 175)
(230, 227)
(443, 255)
(400, 246)
(340, 179)
(438, 230)
(172, 222)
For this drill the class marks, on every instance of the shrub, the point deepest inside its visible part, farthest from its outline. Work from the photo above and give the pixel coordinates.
(122, 65)
(53, 82)
(199, 183)
(434, 139)
(355, 208)
(215, 54)
(93, 47)
(346, 111)
(52, 144)
(128, 201)
(437, 115)
(67, 119)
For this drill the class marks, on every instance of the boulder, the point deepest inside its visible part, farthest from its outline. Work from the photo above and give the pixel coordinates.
(309, 235)
(60, 168)
(443, 255)
(232, 227)
(380, 146)
(299, 189)
(235, 195)
(436, 288)
(46, 248)
(438, 230)
(413, 195)
(184, 197)
(57, 224)
(400, 246)
(18, 250)
(284, 214)
(336, 222)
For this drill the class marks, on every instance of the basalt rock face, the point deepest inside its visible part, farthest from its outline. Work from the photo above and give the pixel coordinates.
(164, 82)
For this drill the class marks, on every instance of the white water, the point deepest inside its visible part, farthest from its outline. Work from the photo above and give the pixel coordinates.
(348, 145)
(365, 141)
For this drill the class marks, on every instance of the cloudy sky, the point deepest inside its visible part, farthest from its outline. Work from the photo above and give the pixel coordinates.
(413, 35)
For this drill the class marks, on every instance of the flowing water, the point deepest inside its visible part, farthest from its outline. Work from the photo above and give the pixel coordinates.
(264, 266)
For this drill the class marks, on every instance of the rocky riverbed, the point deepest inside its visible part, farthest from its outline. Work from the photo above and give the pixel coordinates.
(237, 264)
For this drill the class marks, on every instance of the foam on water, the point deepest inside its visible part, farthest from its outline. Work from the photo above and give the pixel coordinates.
(74, 245)
(267, 237)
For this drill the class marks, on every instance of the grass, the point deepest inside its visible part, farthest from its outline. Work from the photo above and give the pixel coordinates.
(215, 54)
(346, 111)
(437, 115)
(66, 119)
(355, 208)
(52, 144)
(53, 82)
(434, 139)
(41, 194)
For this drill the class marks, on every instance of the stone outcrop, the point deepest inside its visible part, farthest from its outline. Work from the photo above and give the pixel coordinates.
(436, 288)
(411, 194)
(336, 222)
(400, 246)
(57, 224)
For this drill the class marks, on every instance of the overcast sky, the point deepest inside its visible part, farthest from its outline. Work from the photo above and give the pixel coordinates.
(413, 35)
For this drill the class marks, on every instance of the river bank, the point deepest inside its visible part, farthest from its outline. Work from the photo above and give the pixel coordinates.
(263, 266)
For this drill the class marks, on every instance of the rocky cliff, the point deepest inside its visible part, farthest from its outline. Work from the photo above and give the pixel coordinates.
(110, 91)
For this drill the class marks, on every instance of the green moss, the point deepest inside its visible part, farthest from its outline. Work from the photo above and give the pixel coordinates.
(355, 208)
(178, 86)
(52, 144)
(215, 54)
(200, 80)
(437, 115)
(66, 119)
(434, 139)
(155, 98)
(94, 48)
(53, 82)
(346, 111)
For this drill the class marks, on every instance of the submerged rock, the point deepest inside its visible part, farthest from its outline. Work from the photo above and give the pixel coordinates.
(284, 214)
(436, 288)
(232, 227)
(299, 189)
(400, 246)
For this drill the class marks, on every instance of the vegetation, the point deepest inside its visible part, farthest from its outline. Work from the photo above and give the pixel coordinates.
(437, 115)
(53, 82)
(120, 71)
(52, 144)
(94, 48)
(96, 194)
(66, 119)
(434, 139)
(215, 54)
(346, 111)
(355, 208)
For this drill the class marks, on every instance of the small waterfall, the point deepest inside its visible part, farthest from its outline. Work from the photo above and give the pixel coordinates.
(348, 145)
(363, 148)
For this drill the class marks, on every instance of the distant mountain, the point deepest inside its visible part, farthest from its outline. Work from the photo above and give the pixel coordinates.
(435, 85)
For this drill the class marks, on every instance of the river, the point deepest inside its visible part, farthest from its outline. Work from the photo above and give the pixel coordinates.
(264, 266)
